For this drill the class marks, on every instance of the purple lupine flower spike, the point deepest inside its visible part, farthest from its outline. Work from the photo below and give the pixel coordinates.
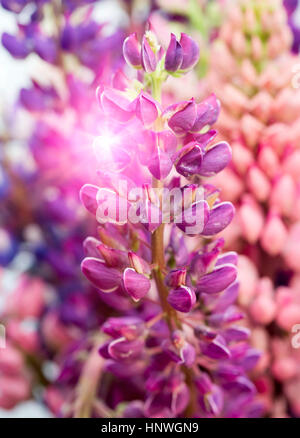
(178, 322)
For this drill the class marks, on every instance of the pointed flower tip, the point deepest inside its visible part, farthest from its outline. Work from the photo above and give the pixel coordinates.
(174, 55)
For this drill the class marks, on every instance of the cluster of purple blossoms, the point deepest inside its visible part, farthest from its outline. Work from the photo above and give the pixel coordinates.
(177, 346)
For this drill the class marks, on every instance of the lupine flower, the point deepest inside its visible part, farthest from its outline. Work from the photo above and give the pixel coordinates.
(259, 118)
(181, 323)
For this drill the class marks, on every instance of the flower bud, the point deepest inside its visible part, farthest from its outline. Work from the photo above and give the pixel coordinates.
(190, 52)
(182, 299)
(174, 55)
(132, 51)
(176, 278)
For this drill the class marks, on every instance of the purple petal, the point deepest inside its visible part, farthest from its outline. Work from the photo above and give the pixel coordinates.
(136, 285)
(190, 163)
(122, 349)
(227, 298)
(122, 370)
(182, 299)
(240, 384)
(46, 48)
(202, 263)
(15, 46)
(207, 113)
(204, 383)
(250, 359)
(228, 372)
(160, 165)
(167, 141)
(202, 139)
(104, 278)
(116, 105)
(218, 280)
(15, 6)
(184, 118)
(188, 354)
(174, 55)
(146, 109)
(236, 333)
(149, 60)
(113, 257)
(190, 52)
(290, 5)
(204, 333)
(220, 217)
(129, 327)
(216, 159)
(228, 257)
(231, 314)
(212, 402)
(103, 350)
(90, 246)
(194, 218)
(132, 51)
(176, 278)
(88, 196)
(217, 349)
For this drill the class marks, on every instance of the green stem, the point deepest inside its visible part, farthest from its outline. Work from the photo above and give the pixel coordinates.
(156, 89)
(158, 260)
(159, 265)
